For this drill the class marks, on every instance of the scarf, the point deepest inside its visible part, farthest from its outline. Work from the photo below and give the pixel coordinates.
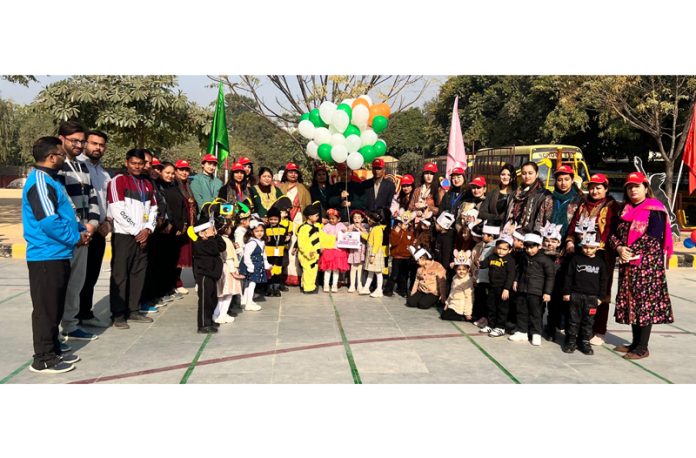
(638, 217)
(519, 201)
(560, 207)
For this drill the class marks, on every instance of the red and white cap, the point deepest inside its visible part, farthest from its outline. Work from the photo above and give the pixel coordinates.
(636, 178)
(479, 181)
(156, 162)
(291, 166)
(378, 164)
(182, 164)
(457, 171)
(407, 179)
(564, 169)
(245, 160)
(430, 167)
(209, 158)
(237, 167)
(599, 178)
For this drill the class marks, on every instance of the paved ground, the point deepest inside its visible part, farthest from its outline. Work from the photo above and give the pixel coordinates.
(336, 338)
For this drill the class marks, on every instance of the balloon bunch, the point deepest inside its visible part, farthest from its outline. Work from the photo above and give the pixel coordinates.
(347, 132)
(691, 241)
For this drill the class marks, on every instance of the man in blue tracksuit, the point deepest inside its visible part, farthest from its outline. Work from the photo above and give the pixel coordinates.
(52, 232)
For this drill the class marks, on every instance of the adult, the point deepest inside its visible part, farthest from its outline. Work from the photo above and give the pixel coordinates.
(265, 193)
(133, 208)
(468, 213)
(599, 211)
(531, 204)
(248, 165)
(642, 239)
(291, 185)
(494, 208)
(205, 186)
(379, 191)
(450, 203)
(320, 188)
(182, 170)
(51, 232)
(402, 201)
(346, 194)
(74, 175)
(236, 189)
(91, 158)
(426, 197)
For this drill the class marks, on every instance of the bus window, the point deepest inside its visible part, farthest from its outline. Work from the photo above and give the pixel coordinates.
(544, 174)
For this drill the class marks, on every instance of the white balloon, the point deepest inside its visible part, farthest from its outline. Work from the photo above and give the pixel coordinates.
(340, 120)
(368, 137)
(338, 139)
(312, 150)
(360, 116)
(366, 98)
(322, 135)
(348, 102)
(306, 129)
(332, 129)
(326, 111)
(353, 143)
(355, 160)
(339, 153)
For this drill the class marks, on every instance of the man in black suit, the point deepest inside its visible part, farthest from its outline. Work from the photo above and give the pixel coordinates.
(378, 192)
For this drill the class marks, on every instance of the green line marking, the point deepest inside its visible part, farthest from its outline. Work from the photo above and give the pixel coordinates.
(12, 297)
(346, 346)
(664, 379)
(488, 355)
(682, 329)
(189, 371)
(16, 371)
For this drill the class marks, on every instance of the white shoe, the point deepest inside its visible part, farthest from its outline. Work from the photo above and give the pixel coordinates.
(224, 319)
(497, 332)
(351, 289)
(519, 337)
(486, 329)
(598, 339)
(364, 291)
(377, 293)
(334, 289)
(182, 290)
(326, 289)
(252, 307)
(536, 339)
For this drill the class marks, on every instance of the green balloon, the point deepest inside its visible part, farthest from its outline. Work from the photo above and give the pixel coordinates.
(368, 153)
(324, 152)
(380, 147)
(379, 123)
(345, 107)
(316, 118)
(303, 117)
(351, 130)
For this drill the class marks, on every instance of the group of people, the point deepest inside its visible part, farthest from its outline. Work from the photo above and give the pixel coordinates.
(500, 256)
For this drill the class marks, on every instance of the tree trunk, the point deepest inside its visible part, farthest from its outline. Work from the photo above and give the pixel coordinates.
(669, 178)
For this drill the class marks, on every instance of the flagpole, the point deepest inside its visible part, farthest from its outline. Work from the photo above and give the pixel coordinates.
(676, 186)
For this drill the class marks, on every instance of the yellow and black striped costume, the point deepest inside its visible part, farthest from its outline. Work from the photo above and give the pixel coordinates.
(308, 253)
(276, 245)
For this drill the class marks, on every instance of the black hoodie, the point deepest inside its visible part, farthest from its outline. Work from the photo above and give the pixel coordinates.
(535, 274)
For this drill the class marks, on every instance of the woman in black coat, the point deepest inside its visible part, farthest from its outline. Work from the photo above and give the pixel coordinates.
(494, 208)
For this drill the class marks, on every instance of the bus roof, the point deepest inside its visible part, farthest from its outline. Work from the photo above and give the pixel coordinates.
(529, 148)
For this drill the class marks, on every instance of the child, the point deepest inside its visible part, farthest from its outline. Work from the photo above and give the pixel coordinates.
(284, 204)
(308, 248)
(478, 254)
(277, 240)
(585, 283)
(460, 302)
(533, 284)
(254, 263)
(400, 238)
(243, 218)
(374, 260)
(229, 284)
(557, 308)
(501, 273)
(333, 260)
(356, 258)
(431, 281)
(207, 270)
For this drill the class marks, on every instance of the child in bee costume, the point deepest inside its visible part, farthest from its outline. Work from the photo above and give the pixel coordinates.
(308, 248)
(277, 240)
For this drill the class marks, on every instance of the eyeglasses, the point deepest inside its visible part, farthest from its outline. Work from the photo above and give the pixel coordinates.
(76, 142)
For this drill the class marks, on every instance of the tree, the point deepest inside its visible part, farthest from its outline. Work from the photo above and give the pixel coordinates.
(9, 132)
(410, 163)
(406, 133)
(24, 80)
(138, 111)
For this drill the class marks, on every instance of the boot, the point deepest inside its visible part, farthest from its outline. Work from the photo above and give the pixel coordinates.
(570, 344)
(586, 348)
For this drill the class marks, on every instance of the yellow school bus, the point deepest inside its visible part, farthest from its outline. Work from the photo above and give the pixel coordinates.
(488, 161)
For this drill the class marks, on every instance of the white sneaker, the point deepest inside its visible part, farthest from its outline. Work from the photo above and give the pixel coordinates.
(351, 289)
(377, 293)
(486, 329)
(497, 332)
(252, 307)
(536, 339)
(182, 290)
(598, 339)
(326, 289)
(224, 319)
(519, 337)
(334, 289)
(364, 291)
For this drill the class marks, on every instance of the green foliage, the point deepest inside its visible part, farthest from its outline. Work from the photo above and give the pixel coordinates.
(406, 133)
(410, 163)
(24, 80)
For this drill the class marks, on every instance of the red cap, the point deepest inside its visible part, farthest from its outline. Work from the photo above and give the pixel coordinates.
(378, 164)
(407, 179)
(291, 166)
(564, 169)
(599, 178)
(237, 167)
(457, 171)
(244, 160)
(635, 178)
(430, 167)
(156, 162)
(182, 164)
(209, 158)
(478, 181)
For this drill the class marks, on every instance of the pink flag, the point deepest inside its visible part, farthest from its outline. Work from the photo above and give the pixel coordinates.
(456, 154)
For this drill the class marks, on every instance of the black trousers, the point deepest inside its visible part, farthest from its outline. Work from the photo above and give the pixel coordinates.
(128, 266)
(163, 254)
(641, 337)
(528, 313)
(480, 301)
(451, 315)
(497, 308)
(422, 300)
(95, 256)
(207, 300)
(582, 310)
(48, 283)
(399, 276)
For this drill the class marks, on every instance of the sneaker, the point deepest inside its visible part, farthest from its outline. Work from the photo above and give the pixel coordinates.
(120, 323)
(144, 308)
(95, 323)
(486, 329)
(481, 322)
(57, 368)
(139, 318)
(224, 319)
(159, 303)
(569, 347)
(70, 359)
(79, 334)
(536, 339)
(177, 295)
(167, 298)
(586, 348)
(351, 289)
(597, 339)
(377, 293)
(284, 288)
(334, 289)
(182, 290)
(207, 330)
(519, 337)
(364, 291)
(496, 332)
(252, 307)
(65, 348)
(327, 289)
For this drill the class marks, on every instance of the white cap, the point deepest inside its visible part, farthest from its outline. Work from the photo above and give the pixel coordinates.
(589, 239)
(471, 227)
(518, 235)
(255, 223)
(532, 238)
(445, 220)
(504, 238)
(202, 227)
(491, 230)
(417, 253)
(551, 231)
(426, 222)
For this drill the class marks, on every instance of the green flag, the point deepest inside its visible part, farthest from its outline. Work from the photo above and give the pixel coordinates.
(218, 142)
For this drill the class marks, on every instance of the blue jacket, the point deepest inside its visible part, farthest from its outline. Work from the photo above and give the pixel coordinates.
(50, 225)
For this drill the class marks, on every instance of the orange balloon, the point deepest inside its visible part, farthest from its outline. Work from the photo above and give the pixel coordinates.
(380, 109)
(361, 102)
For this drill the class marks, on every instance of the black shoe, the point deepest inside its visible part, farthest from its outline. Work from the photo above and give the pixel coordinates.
(586, 348)
(139, 318)
(215, 325)
(284, 288)
(424, 307)
(569, 347)
(231, 313)
(207, 330)
(402, 293)
(57, 368)
(388, 293)
(314, 291)
(120, 323)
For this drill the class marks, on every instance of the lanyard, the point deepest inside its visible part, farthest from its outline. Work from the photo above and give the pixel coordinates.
(141, 188)
(454, 201)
